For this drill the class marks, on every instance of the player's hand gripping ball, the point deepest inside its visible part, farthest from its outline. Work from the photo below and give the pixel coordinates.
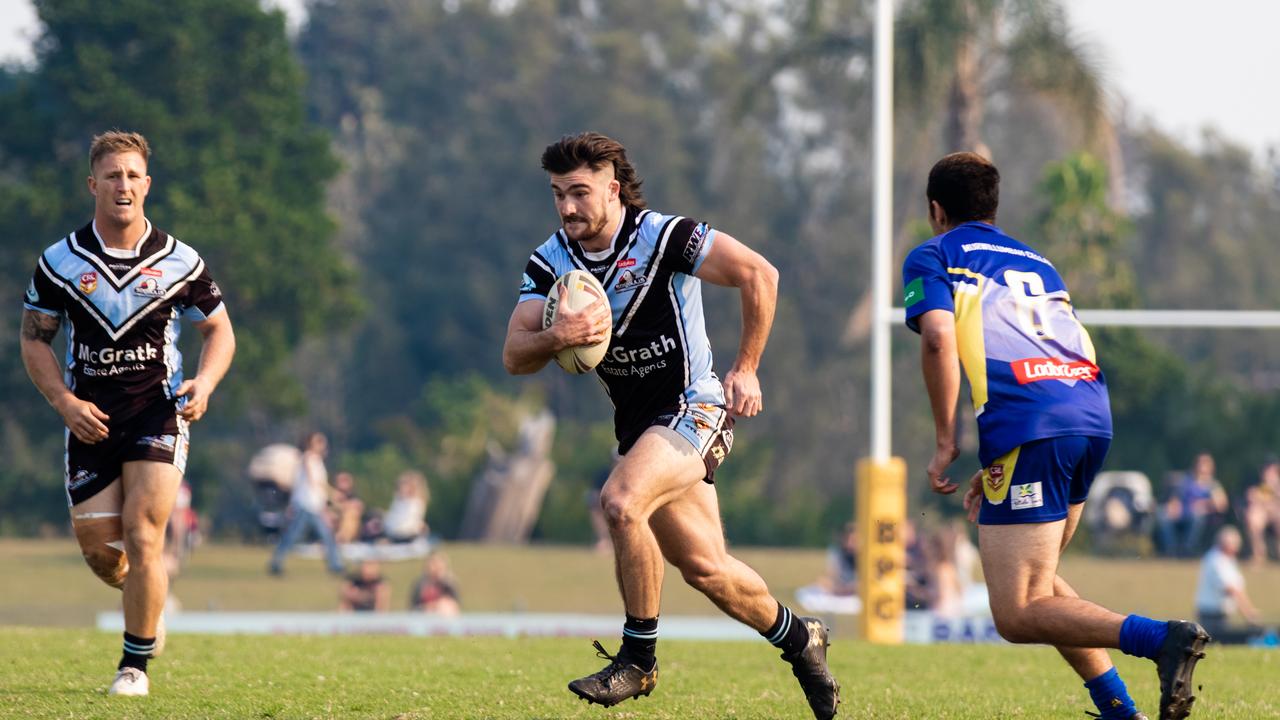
(577, 290)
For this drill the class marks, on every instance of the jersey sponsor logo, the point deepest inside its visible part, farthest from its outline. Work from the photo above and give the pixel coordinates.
(153, 272)
(214, 290)
(161, 442)
(526, 284)
(637, 362)
(1026, 496)
(149, 288)
(88, 282)
(694, 247)
(913, 292)
(1029, 370)
(111, 356)
(627, 262)
(629, 281)
(81, 477)
(32, 295)
(120, 267)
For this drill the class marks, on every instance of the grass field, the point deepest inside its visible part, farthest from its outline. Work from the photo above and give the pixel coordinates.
(62, 673)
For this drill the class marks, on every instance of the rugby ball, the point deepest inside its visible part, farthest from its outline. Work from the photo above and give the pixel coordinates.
(576, 290)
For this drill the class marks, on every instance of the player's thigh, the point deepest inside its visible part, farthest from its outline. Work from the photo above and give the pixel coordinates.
(1019, 562)
(96, 523)
(150, 488)
(689, 531)
(1074, 511)
(659, 467)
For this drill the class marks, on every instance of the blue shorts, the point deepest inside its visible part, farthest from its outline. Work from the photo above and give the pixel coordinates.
(1035, 482)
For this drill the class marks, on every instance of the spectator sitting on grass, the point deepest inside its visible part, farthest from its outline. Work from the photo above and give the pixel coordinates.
(1262, 510)
(435, 591)
(366, 590)
(1220, 592)
(1194, 504)
(346, 508)
(406, 519)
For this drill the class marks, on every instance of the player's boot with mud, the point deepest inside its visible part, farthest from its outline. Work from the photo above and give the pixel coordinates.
(1183, 647)
(619, 680)
(810, 668)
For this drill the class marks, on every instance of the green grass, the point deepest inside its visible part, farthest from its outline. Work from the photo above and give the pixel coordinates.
(63, 673)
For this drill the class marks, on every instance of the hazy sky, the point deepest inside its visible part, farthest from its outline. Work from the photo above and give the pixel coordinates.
(1184, 64)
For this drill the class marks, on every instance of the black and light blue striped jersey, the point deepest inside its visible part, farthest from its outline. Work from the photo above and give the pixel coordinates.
(121, 311)
(659, 357)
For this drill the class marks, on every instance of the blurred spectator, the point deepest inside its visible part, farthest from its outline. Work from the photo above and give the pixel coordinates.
(920, 586)
(406, 519)
(1262, 511)
(435, 591)
(307, 504)
(182, 531)
(348, 508)
(599, 526)
(842, 563)
(366, 590)
(1195, 505)
(1220, 592)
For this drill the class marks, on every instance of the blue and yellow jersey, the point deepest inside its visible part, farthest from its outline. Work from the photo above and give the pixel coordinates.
(1032, 369)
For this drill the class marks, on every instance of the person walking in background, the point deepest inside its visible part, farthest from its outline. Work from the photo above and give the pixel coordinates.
(406, 519)
(435, 591)
(1220, 592)
(982, 299)
(1193, 506)
(1262, 510)
(121, 285)
(366, 590)
(307, 504)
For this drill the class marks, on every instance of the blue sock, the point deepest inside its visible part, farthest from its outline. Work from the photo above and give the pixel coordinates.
(1142, 637)
(1111, 696)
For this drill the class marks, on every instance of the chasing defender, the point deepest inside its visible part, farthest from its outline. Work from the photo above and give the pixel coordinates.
(673, 418)
(982, 299)
(122, 285)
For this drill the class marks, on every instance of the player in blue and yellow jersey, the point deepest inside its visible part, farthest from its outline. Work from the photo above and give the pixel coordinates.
(672, 415)
(982, 300)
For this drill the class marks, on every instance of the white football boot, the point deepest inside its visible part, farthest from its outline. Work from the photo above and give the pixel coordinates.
(130, 681)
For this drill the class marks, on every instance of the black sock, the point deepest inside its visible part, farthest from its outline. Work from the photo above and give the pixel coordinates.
(136, 652)
(639, 639)
(788, 633)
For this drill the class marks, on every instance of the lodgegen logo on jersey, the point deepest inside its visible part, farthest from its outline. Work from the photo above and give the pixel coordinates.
(1029, 370)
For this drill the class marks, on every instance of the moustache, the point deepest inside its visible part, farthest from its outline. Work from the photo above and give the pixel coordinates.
(574, 219)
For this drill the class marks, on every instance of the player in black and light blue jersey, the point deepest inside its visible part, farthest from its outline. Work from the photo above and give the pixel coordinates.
(673, 417)
(121, 286)
(985, 301)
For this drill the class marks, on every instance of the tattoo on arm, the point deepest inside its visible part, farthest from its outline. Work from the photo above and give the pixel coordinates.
(39, 326)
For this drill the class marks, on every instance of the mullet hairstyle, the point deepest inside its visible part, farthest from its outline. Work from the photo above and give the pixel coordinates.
(966, 185)
(116, 141)
(594, 150)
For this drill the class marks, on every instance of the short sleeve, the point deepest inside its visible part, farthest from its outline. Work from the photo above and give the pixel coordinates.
(202, 298)
(925, 285)
(687, 246)
(538, 279)
(43, 295)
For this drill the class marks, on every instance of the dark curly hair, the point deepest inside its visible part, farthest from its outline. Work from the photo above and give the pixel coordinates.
(594, 150)
(966, 185)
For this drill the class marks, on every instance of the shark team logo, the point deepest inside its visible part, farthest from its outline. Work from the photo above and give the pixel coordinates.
(88, 282)
(32, 295)
(628, 280)
(149, 288)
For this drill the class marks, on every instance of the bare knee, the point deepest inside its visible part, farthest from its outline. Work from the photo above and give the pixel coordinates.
(621, 510)
(144, 542)
(1016, 624)
(101, 545)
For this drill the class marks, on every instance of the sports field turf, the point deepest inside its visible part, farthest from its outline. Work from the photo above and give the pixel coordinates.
(61, 673)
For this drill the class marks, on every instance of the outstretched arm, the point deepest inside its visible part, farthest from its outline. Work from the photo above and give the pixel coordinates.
(215, 359)
(940, 362)
(84, 419)
(732, 264)
(528, 346)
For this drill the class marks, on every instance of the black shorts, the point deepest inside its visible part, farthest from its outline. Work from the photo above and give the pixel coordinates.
(708, 428)
(155, 434)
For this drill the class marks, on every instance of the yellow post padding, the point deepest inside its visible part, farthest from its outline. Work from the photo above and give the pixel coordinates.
(882, 510)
